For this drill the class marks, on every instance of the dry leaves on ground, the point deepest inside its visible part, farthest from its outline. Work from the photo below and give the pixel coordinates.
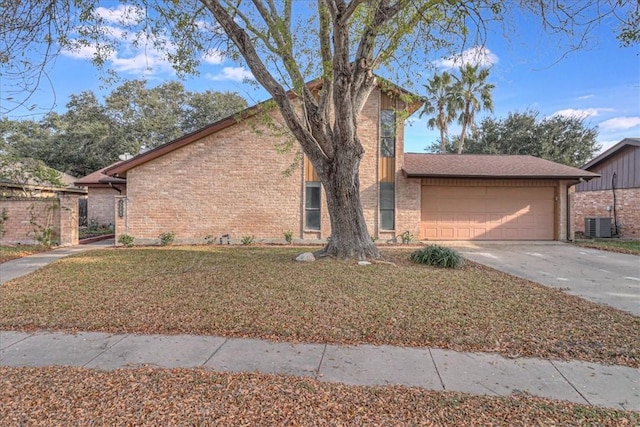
(263, 293)
(77, 396)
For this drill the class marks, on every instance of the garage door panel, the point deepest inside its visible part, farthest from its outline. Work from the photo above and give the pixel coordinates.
(487, 213)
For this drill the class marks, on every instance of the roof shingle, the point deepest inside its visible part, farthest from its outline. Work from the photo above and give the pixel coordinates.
(488, 166)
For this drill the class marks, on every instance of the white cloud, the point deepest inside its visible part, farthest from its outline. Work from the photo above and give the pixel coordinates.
(477, 55)
(620, 123)
(122, 14)
(578, 114)
(585, 97)
(231, 73)
(213, 57)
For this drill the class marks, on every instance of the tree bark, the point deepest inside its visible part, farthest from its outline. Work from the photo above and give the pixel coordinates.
(349, 234)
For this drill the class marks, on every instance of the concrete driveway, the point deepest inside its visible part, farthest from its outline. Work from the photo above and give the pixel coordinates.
(604, 277)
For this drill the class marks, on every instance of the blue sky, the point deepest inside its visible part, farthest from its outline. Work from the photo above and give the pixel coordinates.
(531, 71)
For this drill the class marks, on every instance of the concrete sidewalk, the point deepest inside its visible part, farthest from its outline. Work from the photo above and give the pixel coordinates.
(434, 369)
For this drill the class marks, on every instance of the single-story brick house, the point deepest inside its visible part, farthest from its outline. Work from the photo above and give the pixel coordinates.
(616, 193)
(101, 190)
(228, 178)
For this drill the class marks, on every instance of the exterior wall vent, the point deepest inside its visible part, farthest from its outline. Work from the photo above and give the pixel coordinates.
(597, 227)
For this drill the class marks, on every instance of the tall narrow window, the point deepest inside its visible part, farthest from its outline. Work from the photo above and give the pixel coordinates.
(387, 205)
(387, 168)
(387, 133)
(312, 205)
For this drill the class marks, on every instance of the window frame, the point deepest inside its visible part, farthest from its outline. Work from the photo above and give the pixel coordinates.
(307, 209)
(387, 132)
(383, 208)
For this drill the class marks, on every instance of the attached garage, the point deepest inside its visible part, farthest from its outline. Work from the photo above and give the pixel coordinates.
(486, 210)
(483, 197)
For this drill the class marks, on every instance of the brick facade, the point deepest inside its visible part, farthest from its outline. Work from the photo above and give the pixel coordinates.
(101, 205)
(595, 203)
(233, 182)
(28, 216)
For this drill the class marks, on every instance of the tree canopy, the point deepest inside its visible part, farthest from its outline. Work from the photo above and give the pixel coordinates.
(91, 134)
(566, 140)
(283, 43)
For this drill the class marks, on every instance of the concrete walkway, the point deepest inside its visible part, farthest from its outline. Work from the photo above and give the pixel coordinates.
(430, 368)
(603, 277)
(433, 369)
(22, 266)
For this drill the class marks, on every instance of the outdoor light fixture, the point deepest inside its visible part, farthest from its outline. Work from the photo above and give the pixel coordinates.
(121, 208)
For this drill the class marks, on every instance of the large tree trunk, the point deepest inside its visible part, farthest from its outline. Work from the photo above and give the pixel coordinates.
(349, 234)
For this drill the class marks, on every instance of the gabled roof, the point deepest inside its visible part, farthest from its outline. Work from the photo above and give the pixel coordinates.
(612, 151)
(100, 178)
(122, 167)
(419, 165)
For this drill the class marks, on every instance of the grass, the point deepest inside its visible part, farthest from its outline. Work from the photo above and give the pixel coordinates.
(613, 245)
(263, 293)
(77, 396)
(8, 253)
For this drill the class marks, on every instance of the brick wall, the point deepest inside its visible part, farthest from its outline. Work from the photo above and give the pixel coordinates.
(594, 204)
(233, 182)
(28, 216)
(101, 205)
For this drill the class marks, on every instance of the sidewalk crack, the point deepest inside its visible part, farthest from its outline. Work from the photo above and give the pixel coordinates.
(215, 351)
(436, 368)
(570, 383)
(324, 350)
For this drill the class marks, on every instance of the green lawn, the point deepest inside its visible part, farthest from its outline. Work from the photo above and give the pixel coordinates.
(614, 245)
(264, 293)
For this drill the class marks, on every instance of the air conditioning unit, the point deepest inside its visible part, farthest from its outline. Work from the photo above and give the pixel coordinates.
(597, 227)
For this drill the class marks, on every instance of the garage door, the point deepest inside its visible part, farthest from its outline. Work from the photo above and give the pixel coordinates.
(487, 213)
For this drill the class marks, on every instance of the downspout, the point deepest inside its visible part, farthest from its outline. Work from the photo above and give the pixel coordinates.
(614, 179)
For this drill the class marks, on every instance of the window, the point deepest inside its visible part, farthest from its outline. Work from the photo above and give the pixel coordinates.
(387, 133)
(387, 205)
(312, 205)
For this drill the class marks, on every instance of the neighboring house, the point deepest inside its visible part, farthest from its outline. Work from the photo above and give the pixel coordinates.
(101, 190)
(228, 178)
(616, 194)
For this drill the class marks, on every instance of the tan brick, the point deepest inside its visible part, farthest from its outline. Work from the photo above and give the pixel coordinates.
(594, 204)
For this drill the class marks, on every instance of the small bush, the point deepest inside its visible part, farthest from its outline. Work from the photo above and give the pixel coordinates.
(406, 237)
(167, 238)
(247, 240)
(126, 240)
(437, 256)
(288, 236)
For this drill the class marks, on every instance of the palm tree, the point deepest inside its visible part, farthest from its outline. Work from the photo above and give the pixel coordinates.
(439, 102)
(471, 94)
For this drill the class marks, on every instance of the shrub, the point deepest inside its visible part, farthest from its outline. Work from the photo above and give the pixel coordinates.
(126, 240)
(247, 240)
(167, 238)
(288, 236)
(406, 237)
(437, 256)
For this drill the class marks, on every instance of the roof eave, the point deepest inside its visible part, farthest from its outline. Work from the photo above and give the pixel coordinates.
(611, 151)
(427, 175)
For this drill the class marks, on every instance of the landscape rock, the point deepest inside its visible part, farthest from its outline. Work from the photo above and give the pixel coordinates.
(306, 257)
